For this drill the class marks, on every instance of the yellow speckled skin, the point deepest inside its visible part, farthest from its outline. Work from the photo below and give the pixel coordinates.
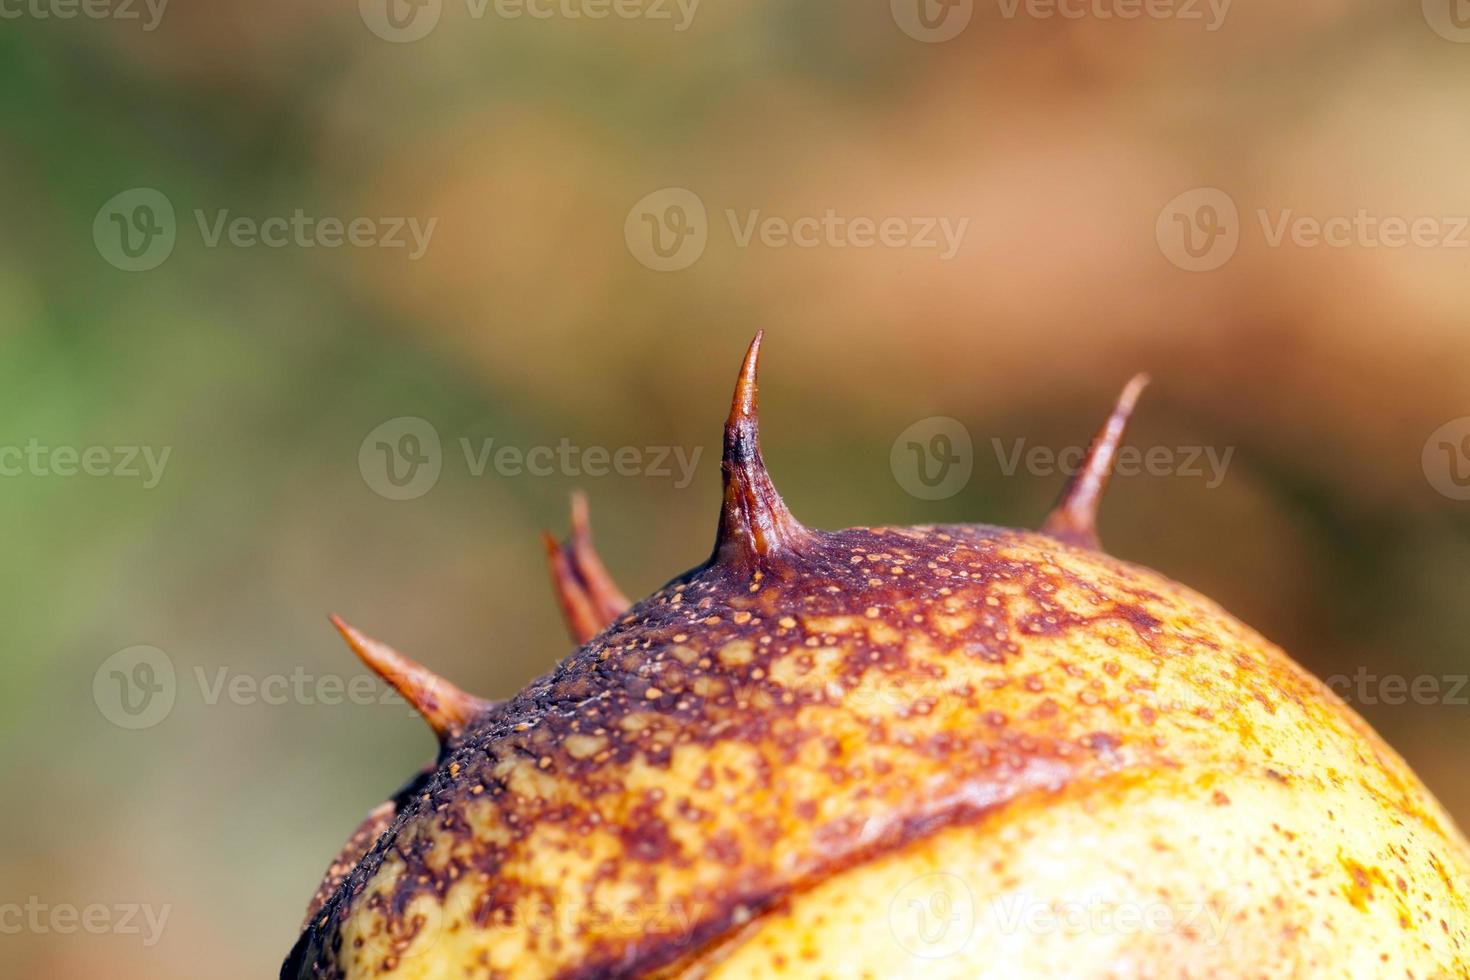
(956, 751)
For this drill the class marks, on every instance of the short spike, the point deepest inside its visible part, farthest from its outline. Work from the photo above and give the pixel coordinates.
(589, 598)
(583, 621)
(446, 708)
(1074, 517)
(754, 522)
(606, 597)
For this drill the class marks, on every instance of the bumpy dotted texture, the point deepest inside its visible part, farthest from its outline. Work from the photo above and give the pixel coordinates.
(750, 737)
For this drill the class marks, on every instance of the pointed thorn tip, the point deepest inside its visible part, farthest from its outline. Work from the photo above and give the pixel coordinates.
(581, 518)
(743, 405)
(446, 708)
(753, 521)
(1074, 517)
(590, 600)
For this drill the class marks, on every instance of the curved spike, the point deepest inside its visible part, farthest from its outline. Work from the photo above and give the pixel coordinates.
(606, 597)
(583, 620)
(1074, 517)
(446, 708)
(754, 522)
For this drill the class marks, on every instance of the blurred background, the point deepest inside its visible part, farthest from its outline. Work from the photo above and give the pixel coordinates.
(312, 307)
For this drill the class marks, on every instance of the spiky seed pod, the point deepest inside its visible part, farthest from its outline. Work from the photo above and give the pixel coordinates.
(952, 751)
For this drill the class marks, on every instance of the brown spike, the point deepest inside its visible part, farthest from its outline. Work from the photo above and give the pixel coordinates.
(584, 621)
(754, 522)
(446, 708)
(1074, 517)
(607, 598)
